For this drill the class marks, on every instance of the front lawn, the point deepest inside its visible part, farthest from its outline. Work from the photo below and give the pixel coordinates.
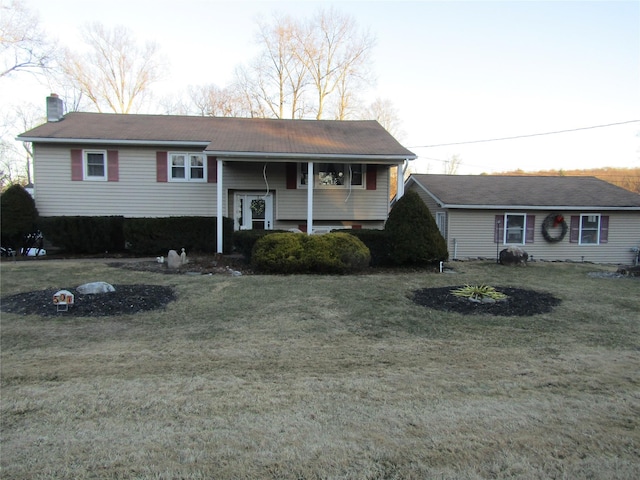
(306, 376)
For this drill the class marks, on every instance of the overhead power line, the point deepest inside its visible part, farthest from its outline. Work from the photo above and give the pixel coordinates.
(526, 136)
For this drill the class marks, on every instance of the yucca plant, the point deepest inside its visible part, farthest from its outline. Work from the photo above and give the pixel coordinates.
(478, 292)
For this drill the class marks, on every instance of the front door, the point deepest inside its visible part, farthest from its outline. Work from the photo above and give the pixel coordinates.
(254, 211)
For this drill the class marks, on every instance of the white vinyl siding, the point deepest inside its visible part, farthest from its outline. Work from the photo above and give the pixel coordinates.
(136, 194)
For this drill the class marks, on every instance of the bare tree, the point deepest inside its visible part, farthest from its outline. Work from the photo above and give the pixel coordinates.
(277, 78)
(114, 73)
(450, 166)
(385, 113)
(23, 45)
(16, 157)
(334, 52)
(213, 101)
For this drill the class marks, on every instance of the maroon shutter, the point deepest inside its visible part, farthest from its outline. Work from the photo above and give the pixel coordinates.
(292, 176)
(574, 229)
(372, 177)
(531, 229)
(113, 166)
(76, 165)
(604, 229)
(212, 170)
(161, 167)
(498, 229)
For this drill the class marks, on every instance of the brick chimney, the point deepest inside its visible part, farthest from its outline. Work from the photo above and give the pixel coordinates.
(55, 108)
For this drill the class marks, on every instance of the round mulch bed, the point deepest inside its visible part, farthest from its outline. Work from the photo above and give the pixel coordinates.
(127, 299)
(519, 302)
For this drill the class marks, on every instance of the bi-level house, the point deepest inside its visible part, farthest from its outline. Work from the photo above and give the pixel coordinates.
(310, 175)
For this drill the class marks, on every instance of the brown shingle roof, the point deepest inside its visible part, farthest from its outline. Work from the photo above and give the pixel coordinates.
(229, 135)
(493, 191)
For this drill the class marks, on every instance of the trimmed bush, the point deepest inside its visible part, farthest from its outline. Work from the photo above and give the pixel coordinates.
(244, 240)
(156, 236)
(18, 216)
(75, 234)
(414, 235)
(302, 253)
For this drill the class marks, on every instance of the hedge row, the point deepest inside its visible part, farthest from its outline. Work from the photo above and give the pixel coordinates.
(142, 236)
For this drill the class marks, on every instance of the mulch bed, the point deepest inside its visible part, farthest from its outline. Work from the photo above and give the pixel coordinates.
(127, 299)
(519, 302)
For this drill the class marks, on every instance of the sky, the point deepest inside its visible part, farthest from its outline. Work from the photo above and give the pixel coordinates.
(456, 71)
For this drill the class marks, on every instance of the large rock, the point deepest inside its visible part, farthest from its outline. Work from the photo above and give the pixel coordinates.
(173, 259)
(513, 256)
(95, 287)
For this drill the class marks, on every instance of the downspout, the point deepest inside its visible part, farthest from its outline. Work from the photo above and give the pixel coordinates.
(310, 181)
(401, 171)
(220, 223)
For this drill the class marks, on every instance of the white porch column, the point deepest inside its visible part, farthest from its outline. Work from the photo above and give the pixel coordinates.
(400, 180)
(220, 223)
(310, 181)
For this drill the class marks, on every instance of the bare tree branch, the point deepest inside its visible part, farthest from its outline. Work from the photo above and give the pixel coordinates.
(23, 46)
(114, 74)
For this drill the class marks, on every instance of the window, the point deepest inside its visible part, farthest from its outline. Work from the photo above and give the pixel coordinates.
(589, 229)
(514, 231)
(95, 165)
(441, 221)
(185, 167)
(514, 228)
(329, 175)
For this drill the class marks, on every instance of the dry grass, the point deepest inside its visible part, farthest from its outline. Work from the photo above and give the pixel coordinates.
(324, 377)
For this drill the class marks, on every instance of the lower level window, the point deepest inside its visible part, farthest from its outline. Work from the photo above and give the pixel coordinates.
(589, 229)
(515, 227)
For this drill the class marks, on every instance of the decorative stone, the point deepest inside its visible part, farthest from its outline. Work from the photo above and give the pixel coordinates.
(173, 259)
(513, 256)
(183, 257)
(95, 287)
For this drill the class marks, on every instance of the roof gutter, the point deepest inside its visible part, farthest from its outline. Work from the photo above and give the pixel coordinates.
(540, 207)
(306, 156)
(100, 141)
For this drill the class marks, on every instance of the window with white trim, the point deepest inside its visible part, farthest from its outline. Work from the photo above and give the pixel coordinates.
(187, 167)
(95, 165)
(514, 231)
(589, 229)
(441, 221)
(333, 175)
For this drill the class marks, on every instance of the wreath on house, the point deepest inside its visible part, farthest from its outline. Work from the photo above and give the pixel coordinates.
(552, 222)
(257, 207)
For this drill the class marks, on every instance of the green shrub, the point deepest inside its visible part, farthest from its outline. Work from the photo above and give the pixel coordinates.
(244, 240)
(80, 234)
(156, 236)
(414, 235)
(378, 242)
(302, 253)
(18, 215)
(279, 253)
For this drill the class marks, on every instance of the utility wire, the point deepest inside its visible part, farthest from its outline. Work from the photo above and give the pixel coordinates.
(526, 136)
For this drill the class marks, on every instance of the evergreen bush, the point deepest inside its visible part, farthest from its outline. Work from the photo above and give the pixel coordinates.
(82, 234)
(378, 242)
(156, 236)
(414, 236)
(302, 253)
(18, 215)
(244, 240)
